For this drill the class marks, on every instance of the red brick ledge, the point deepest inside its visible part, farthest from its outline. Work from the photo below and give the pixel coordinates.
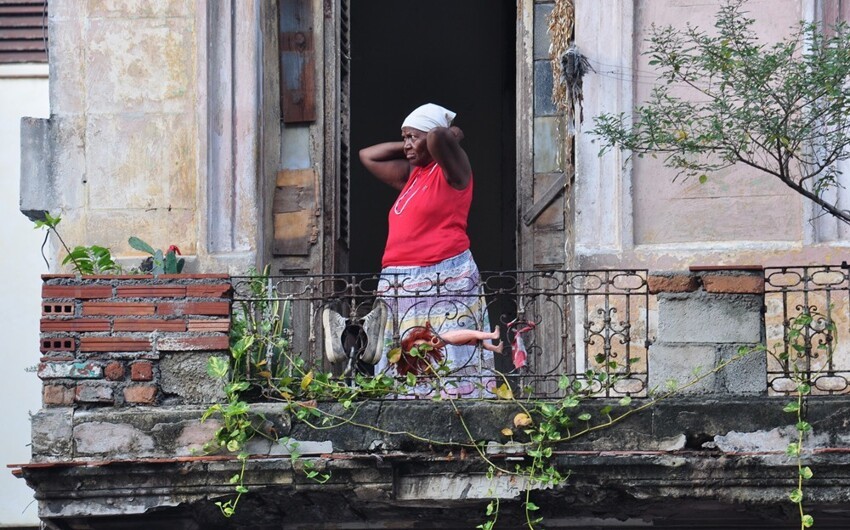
(672, 283)
(733, 283)
(715, 279)
(196, 276)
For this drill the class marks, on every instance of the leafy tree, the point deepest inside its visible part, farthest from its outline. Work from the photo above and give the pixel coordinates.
(781, 108)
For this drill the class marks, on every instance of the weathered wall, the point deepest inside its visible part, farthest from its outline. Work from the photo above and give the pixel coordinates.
(704, 317)
(157, 128)
(631, 212)
(685, 211)
(124, 128)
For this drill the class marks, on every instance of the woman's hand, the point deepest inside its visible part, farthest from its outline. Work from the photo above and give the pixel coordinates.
(457, 132)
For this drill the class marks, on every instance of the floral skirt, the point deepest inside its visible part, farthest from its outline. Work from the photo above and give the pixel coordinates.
(446, 296)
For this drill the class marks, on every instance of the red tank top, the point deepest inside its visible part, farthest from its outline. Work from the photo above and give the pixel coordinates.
(428, 220)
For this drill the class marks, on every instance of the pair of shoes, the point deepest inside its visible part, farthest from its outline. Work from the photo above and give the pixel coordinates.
(336, 327)
(374, 325)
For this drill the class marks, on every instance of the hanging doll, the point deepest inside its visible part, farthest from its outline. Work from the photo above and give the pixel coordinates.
(429, 347)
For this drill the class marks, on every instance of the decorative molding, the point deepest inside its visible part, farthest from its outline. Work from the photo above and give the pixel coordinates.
(232, 125)
(603, 197)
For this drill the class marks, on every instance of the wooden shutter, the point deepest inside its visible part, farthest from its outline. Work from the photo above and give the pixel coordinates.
(297, 62)
(23, 31)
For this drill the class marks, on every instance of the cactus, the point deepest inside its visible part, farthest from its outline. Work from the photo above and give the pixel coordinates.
(159, 262)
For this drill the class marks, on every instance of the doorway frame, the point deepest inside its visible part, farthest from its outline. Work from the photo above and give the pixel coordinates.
(336, 131)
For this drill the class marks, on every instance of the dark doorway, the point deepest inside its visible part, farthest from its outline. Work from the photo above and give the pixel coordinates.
(459, 54)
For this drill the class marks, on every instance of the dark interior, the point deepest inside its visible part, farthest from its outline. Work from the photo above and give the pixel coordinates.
(459, 54)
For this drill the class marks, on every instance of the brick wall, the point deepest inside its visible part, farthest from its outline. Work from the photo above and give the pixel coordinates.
(131, 340)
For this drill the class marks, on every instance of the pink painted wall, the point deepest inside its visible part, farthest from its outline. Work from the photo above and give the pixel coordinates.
(737, 204)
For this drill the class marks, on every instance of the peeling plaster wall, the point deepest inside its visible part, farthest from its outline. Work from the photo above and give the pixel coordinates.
(157, 128)
(686, 211)
(631, 212)
(124, 132)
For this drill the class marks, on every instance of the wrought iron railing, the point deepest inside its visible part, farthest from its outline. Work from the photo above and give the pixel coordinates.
(807, 319)
(591, 327)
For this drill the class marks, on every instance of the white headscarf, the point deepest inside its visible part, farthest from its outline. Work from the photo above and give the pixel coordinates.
(429, 116)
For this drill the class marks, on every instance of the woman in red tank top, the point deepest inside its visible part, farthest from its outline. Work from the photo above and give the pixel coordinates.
(429, 279)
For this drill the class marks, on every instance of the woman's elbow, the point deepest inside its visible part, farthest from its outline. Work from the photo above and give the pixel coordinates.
(364, 155)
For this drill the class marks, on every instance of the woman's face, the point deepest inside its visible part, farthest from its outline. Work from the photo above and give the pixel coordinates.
(415, 146)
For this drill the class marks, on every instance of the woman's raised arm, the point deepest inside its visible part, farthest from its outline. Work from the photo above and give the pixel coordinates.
(444, 146)
(387, 162)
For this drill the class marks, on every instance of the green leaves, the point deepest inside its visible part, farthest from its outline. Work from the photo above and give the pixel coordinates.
(217, 367)
(796, 496)
(91, 260)
(48, 222)
(734, 100)
(793, 449)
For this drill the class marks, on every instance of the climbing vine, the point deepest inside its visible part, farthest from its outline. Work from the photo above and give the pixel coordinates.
(535, 429)
(799, 341)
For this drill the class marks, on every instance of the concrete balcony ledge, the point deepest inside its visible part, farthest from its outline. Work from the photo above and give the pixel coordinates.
(707, 423)
(144, 463)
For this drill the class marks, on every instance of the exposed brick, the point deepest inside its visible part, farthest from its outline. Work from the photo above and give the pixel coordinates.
(733, 283)
(95, 344)
(218, 290)
(710, 268)
(51, 344)
(204, 276)
(114, 371)
(118, 308)
(673, 283)
(94, 394)
(74, 324)
(76, 291)
(193, 343)
(69, 370)
(149, 324)
(118, 277)
(57, 395)
(194, 308)
(141, 394)
(141, 371)
(152, 291)
(218, 324)
(60, 309)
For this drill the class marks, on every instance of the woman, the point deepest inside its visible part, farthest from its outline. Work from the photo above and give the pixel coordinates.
(428, 277)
